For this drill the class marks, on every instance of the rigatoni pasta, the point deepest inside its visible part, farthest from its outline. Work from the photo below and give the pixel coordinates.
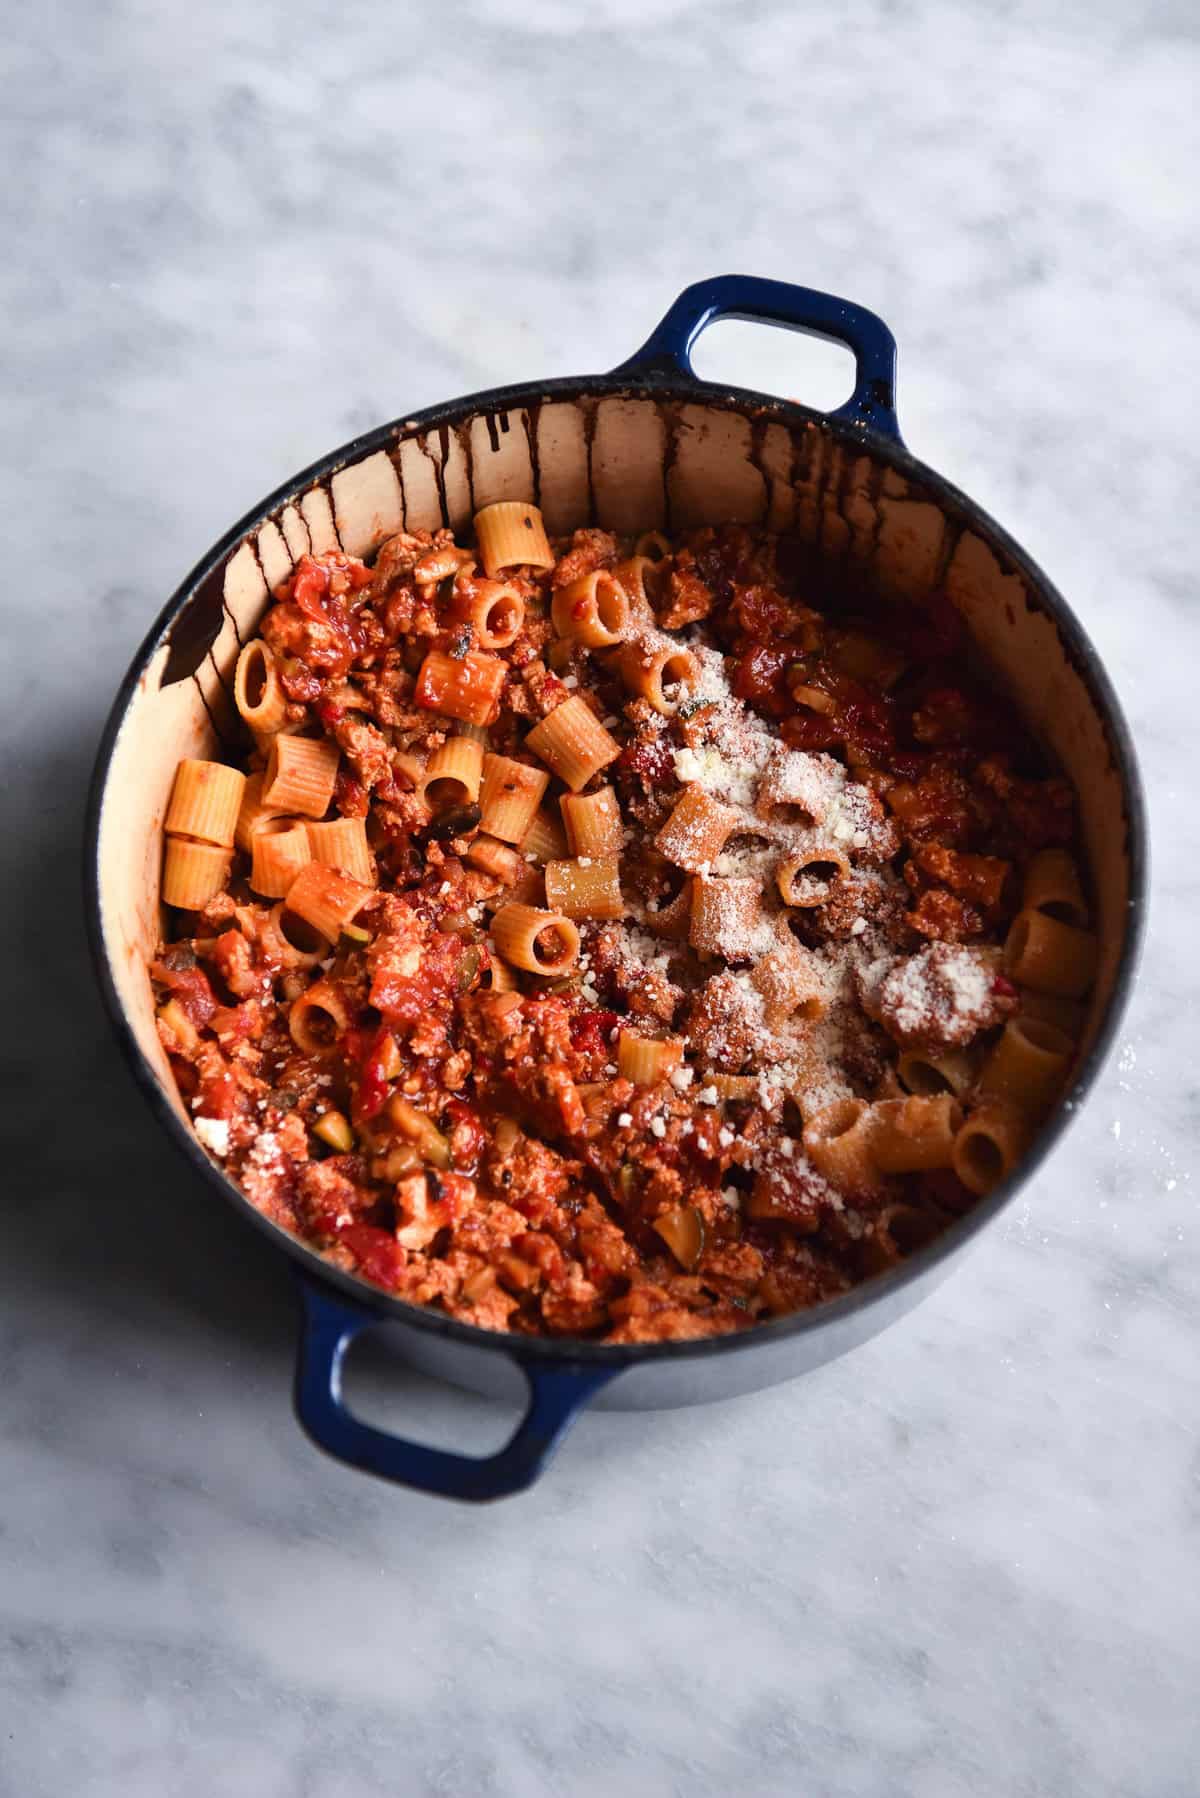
(841, 1143)
(585, 887)
(495, 611)
(930, 1072)
(509, 797)
(642, 580)
(465, 687)
(647, 1060)
(193, 873)
(205, 802)
(911, 1136)
(280, 850)
(1051, 957)
(726, 916)
(1052, 886)
(592, 610)
(592, 822)
(573, 743)
(511, 534)
(318, 1017)
(342, 843)
(498, 859)
(1027, 1066)
(543, 942)
(300, 775)
(253, 813)
(258, 691)
(326, 899)
(696, 831)
(660, 673)
(989, 1145)
(808, 876)
(452, 775)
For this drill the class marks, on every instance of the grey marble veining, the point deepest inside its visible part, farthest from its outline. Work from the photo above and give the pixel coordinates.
(965, 1558)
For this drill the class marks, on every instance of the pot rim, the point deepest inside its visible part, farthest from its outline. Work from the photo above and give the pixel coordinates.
(677, 388)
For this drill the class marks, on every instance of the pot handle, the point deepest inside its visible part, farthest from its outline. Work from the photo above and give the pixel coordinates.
(873, 403)
(329, 1326)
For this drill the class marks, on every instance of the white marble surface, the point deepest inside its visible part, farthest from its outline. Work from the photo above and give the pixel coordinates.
(962, 1560)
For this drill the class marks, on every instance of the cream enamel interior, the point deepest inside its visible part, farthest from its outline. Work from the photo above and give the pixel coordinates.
(629, 463)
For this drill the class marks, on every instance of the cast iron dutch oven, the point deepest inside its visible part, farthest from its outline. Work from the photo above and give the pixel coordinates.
(647, 445)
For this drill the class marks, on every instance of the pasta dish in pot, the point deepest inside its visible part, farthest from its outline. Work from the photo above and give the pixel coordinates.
(621, 938)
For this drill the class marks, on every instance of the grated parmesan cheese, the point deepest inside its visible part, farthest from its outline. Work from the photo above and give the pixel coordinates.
(213, 1133)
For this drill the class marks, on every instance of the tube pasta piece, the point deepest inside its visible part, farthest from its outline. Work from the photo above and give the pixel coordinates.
(809, 877)
(326, 898)
(511, 534)
(318, 1017)
(342, 843)
(659, 673)
(647, 1060)
(281, 849)
(673, 919)
(1028, 1065)
(498, 977)
(585, 888)
(592, 610)
(1066, 1015)
(294, 942)
(258, 691)
(573, 743)
(452, 775)
(252, 813)
(193, 873)
(545, 839)
(593, 822)
(914, 1134)
(495, 610)
(542, 942)
(300, 775)
(789, 979)
(726, 917)
(497, 859)
(509, 796)
(529, 888)
(895, 1232)
(653, 545)
(839, 1140)
(989, 1146)
(205, 802)
(644, 582)
(928, 1073)
(1052, 886)
(734, 1086)
(463, 687)
(476, 732)
(1049, 956)
(696, 831)
(408, 767)
(781, 798)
